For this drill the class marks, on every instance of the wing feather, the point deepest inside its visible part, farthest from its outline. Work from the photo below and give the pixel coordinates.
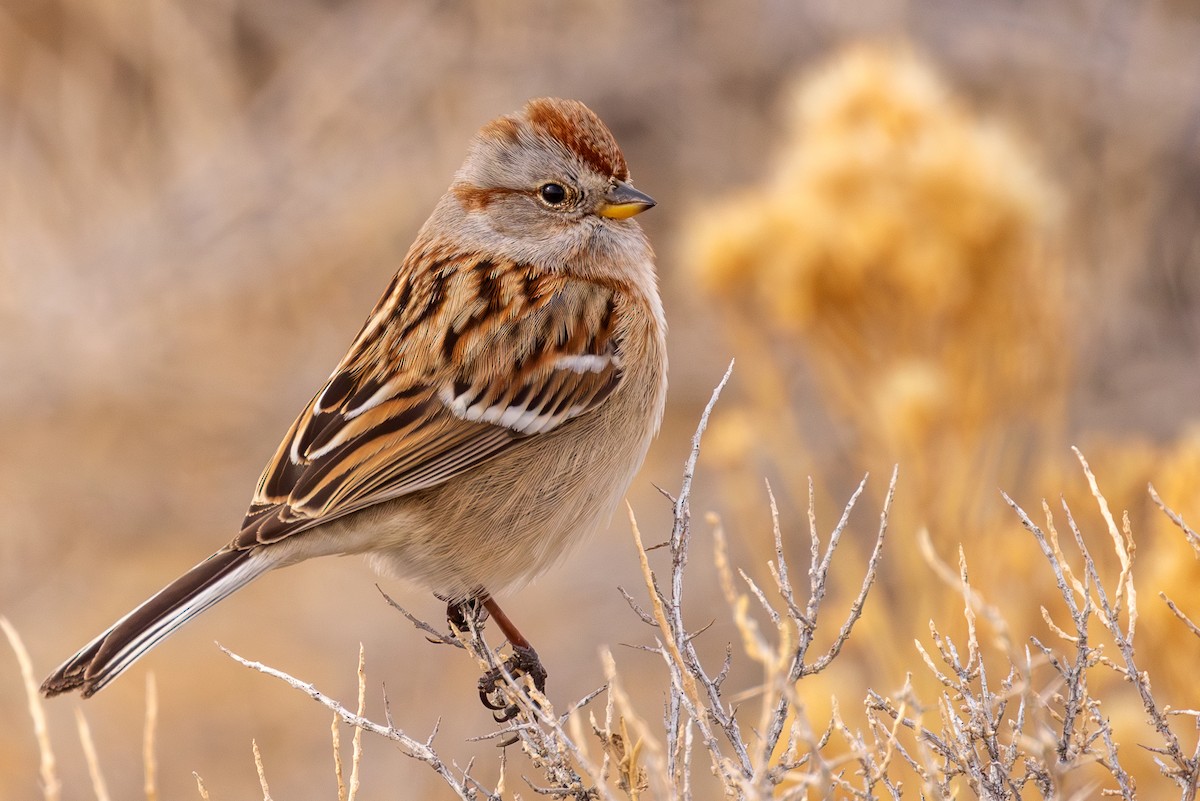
(454, 365)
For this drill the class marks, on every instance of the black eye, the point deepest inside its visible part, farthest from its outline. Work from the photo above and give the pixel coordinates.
(552, 194)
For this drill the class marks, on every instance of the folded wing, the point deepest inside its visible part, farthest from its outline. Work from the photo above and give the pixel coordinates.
(454, 366)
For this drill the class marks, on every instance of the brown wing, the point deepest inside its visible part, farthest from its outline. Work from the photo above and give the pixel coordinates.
(453, 366)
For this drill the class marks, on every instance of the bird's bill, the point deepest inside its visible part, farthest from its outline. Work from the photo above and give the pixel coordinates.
(623, 201)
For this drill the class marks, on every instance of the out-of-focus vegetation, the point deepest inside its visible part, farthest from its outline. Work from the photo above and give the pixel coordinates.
(904, 252)
(961, 253)
(910, 254)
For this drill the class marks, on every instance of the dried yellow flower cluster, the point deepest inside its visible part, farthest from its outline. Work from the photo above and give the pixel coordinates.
(904, 239)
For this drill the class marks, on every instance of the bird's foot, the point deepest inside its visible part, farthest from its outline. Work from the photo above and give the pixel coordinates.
(523, 662)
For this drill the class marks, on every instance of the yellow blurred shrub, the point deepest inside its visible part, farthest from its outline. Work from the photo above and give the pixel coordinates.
(903, 242)
(904, 252)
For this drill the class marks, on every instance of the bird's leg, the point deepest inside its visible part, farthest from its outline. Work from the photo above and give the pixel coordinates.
(523, 662)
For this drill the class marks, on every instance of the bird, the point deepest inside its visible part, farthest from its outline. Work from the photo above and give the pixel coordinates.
(492, 410)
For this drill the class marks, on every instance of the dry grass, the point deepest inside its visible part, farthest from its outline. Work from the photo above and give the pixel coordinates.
(48, 765)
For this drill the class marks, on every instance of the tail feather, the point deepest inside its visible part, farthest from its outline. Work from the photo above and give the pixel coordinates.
(107, 656)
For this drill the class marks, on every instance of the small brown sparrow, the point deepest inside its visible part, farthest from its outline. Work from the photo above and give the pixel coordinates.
(492, 410)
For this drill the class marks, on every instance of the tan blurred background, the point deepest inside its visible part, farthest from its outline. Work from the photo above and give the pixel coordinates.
(200, 203)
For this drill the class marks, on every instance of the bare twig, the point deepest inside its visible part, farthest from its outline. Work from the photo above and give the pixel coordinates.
(1118, 613)
(336, 735)
(466, 788)
(47, 767)
(430, 631)
(688, 677)
(262, 776)
(99, 787)
(149, 754)
(200, 788)
(356, 752)
(1187, 621)
(1192, 537)
(799, 669)
(695, 703)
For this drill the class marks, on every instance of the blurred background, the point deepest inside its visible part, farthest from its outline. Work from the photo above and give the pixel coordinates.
(960, 236)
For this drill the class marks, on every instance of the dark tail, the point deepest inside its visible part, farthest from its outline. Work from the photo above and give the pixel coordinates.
(107, 656)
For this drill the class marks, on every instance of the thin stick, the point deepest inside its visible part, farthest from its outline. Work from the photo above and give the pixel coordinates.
(262, 776)
(1192, 537)
(335, 734)
(467, 788)
(660, 614)
(89, 754)
(149, 756)
(356, 759)
(51, 787)
(1192, 627)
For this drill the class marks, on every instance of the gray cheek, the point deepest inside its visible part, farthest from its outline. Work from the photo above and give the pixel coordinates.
(607, 238)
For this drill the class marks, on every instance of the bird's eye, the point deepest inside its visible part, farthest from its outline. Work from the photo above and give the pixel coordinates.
(552, 194)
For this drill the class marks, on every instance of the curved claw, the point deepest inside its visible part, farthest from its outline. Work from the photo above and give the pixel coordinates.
(507, 714)
(501, 713)
(486, 699)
